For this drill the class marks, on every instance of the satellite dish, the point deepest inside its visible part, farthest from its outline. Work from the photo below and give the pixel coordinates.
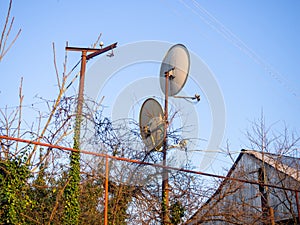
(175, 65)
(152, 124)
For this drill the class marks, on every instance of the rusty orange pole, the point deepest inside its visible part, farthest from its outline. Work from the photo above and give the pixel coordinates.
(84, 58)
(62, 148)
(272, 219)
(80, 99)
(106, 189)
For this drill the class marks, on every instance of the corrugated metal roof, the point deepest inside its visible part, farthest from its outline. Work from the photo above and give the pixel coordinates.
(285, 164)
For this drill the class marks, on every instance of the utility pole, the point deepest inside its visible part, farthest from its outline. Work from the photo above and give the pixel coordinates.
(175, 78)
(165, 176)
(72, 210)
(84, 58)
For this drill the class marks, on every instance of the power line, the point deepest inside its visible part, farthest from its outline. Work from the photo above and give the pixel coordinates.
(72, 81)
(236, 41)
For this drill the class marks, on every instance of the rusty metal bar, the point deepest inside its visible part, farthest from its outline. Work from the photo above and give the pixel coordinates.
(102, 50)
(80, 99)
(78, 49)
(272, 219)
(95, 51)
(106, 189)
(144, 163)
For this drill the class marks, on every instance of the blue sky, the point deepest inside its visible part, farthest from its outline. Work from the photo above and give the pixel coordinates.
(251, 47)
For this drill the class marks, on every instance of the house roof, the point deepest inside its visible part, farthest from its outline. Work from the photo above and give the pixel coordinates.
(285, 164)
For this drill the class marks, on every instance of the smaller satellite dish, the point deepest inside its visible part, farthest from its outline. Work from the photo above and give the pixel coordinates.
(176, 66)
(152, 124)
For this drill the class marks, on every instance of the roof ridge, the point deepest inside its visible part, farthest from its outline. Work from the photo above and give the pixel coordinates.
(270, 153)
(278, 165)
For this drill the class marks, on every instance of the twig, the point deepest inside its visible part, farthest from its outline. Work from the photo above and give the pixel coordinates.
(55, 66)
(5, 25)
(57, 200)
(3, 41)
(20, 111)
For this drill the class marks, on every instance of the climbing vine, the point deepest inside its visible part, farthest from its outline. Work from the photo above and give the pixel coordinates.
(177, 212)
(14, 199)
(71, 193)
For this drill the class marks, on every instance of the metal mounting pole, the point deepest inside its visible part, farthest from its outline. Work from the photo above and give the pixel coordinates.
(76, 160)
(80, 99)
(106, 190)
(165, 176)
(84, 58)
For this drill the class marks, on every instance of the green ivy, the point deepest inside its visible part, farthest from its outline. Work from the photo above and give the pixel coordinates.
(14, 199)
(177, 212)
(71, 193)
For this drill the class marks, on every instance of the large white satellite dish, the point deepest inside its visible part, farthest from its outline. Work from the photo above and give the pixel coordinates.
(175, 66)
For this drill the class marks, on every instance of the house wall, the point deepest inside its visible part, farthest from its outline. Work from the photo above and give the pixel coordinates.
(243, 203)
